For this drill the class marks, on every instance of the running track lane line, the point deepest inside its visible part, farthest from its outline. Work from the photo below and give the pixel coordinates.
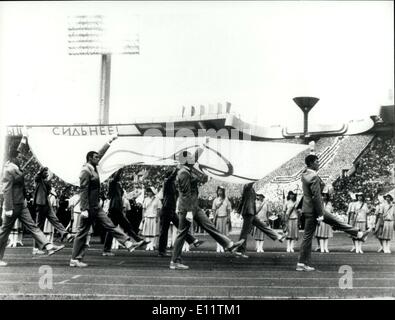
(191, 286)
(187, 297)
(197, 277)
(64, 281)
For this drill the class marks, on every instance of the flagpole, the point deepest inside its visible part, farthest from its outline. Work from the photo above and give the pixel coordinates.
(28, 161)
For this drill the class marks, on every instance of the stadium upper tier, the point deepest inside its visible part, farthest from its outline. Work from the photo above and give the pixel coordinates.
(214, 125)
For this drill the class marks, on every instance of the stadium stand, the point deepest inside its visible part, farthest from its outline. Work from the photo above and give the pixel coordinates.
(348, 150)
(373, 174)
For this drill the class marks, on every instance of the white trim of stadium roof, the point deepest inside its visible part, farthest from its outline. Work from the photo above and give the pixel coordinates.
(228, 121)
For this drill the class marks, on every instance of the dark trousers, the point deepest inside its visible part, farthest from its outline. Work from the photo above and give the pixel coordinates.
(168, 215)
(99, 216)
(135, 216)
(309, 231)
(248, 222)
(119, 219)
(46, 212)
(183, 228)
(22, 213)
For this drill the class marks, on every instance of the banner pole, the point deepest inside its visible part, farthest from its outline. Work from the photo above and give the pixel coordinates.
(28, 161)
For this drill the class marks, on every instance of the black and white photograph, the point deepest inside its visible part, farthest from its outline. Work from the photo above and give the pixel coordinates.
(206, 151)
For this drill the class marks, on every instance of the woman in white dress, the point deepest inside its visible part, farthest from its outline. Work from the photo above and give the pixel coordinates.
(351, 216)
(360, 220)
(388, 227)
(150, 223)
(74, 206)
(291, 217)
(324, 231)
(221, 212)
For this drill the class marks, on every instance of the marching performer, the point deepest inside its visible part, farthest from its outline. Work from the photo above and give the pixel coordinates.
(46, 207)
(91, 211)
(262, 215)
(117, 209)
(187, 183)
(15, 206)
(169, 219)
(248, 211)
(48, 227)
(314, 213)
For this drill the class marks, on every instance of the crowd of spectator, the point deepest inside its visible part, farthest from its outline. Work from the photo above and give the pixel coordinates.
(372, 174)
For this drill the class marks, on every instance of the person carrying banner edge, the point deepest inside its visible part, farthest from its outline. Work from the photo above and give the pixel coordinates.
(91, 211)
(168, 213)
(187, 184)
(43, 208)
(116, 214)
(15, 205)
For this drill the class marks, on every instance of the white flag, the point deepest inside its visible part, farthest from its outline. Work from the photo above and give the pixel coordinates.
(233, 161)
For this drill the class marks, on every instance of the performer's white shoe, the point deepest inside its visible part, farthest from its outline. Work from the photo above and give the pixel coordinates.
(78, 263)
(37, 251)
(303, 267)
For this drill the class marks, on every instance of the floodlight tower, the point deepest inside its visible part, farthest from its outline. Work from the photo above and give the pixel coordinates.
(104, 36)
(305, 104)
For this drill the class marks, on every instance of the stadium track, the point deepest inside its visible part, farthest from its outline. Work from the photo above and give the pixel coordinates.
(143, 275)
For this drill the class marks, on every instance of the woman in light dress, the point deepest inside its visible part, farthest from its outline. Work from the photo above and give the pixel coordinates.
(324, 231)
(221, 212)
(150, 222)
(361, 211)
(351, 216)
(388, 226)
(291, 216)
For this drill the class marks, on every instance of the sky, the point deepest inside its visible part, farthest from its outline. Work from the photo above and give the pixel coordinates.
(257, 55)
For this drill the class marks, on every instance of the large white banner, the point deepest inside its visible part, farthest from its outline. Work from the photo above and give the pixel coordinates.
(233, 161)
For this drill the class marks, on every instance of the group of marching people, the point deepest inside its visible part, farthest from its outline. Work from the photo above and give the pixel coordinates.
(178, 206)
